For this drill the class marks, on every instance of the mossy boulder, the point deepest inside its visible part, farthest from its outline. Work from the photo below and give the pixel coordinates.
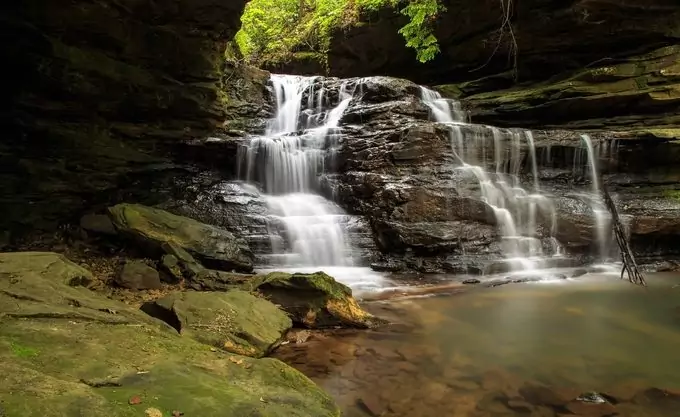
(65, 351)
(136, 275)
(313, 300)
(214, 247)
(235, 321)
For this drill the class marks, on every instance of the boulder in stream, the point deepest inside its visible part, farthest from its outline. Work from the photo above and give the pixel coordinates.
(53, 333)
(235, 321)
(214, 247)
(313, 300)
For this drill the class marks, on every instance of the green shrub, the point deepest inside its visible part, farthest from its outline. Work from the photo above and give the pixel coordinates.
(272, 30)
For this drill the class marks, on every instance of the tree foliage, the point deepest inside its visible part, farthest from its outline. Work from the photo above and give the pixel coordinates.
(274, 29)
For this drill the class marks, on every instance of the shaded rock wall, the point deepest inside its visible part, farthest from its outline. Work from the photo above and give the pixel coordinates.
(99, 88)
(552, 37)
(640, 94)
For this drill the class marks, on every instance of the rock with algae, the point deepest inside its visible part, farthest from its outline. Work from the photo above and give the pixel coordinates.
(235, 321)
(313, 300)
(66, 351)
(152, 228)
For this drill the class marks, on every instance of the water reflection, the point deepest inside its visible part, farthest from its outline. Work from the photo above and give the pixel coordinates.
(524, 349)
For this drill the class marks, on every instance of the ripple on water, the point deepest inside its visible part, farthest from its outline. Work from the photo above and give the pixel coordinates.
(530, 350)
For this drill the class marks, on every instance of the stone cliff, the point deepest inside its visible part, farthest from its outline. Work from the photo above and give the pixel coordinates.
(99, 93)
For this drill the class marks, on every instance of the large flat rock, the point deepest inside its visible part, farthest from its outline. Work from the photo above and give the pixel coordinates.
(235, 321)
(67, 352)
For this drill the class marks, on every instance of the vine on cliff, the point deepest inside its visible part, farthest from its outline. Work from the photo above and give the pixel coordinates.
(274, 30)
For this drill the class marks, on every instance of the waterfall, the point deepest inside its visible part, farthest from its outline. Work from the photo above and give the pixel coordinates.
(516, 211)
(601, 214)
(307, 232)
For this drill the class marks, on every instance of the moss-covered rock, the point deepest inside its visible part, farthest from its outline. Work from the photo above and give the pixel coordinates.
(235, 321)
(639, 93)
(213, 246)
(14, 265)
(313, 300)
(67, 352)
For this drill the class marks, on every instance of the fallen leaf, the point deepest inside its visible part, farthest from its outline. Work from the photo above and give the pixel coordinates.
(236, 361)
(263, 400)
(135, 400)
(153, 412)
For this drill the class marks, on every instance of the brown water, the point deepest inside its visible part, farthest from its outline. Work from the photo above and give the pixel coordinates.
(526, 349)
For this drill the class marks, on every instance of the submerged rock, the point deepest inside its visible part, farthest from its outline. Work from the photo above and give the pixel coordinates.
(213, 246)
(313, 300)
(54, 332)
(136, 275)
(235, 321)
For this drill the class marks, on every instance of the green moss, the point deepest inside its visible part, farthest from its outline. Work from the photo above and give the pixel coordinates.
(235, 321)
(666, 133)
(313, 300)
(88, 355)
(672, 194)
(318, 281)
(21, 351)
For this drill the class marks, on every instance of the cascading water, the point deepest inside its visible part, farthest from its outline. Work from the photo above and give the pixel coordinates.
(601, 214)
(308, 232)
(516, 211)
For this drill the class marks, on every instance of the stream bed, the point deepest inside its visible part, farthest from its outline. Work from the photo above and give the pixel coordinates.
(594, 346)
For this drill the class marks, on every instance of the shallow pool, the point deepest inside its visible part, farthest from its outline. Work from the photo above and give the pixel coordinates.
(596, 346)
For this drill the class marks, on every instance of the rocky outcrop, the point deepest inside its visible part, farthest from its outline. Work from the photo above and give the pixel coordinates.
(50, 323)
(235, 321)
(102, 92)
(640, 94)
(156, 228)
(548, 35)
(313, 300)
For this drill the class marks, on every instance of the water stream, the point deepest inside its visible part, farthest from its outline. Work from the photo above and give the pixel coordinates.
(300, 141)
(517, 211)
(309, 232)
(518, 350)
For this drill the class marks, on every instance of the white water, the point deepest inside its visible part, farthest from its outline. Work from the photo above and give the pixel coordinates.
(516, 211)
(287, 162)
(601, 215)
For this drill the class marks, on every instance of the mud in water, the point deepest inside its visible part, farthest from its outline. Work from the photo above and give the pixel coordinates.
(593, 347)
